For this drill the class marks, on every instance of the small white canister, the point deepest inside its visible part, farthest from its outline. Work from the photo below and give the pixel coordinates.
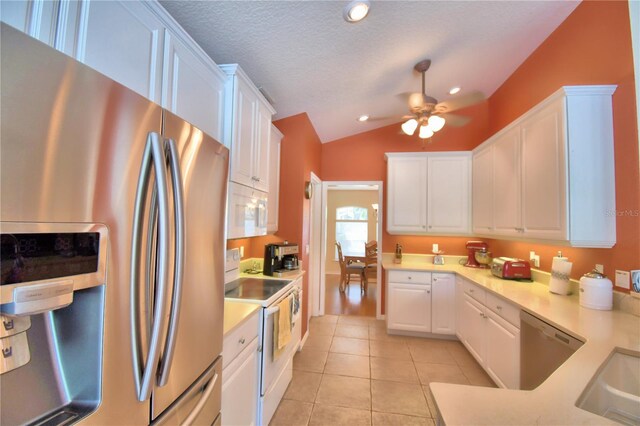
(596, 291)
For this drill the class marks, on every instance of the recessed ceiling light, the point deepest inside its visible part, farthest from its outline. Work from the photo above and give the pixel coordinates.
(363, 118)
(454, 90)
(356, 10)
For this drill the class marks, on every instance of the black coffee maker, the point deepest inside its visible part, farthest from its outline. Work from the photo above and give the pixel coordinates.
(279, 258)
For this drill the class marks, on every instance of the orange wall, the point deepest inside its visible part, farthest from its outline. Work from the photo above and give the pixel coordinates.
(592, 46)
(299, 156)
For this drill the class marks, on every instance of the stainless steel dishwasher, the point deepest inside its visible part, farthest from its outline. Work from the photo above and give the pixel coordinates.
(543, 348)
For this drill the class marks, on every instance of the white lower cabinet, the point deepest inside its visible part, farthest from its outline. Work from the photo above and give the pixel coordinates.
(490, 333)
(409, 301)
(421, 302)
(240, 374)
(443, 304)
(502, 354)
(473, 319)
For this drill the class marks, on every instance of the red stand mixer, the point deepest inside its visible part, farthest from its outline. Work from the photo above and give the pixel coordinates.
(481, 248)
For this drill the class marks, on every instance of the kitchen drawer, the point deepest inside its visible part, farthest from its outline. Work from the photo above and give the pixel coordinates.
(410, 277)
(240, 338)
(503, 308)
(474, 291)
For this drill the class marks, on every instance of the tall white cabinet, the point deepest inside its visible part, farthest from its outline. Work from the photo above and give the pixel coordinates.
(553, 173)
(428, 193)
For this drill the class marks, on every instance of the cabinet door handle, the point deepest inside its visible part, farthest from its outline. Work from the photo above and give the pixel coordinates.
(471, 290)
(428, 291)
(481, 315)
(241, 341)
(408, 278)
(498, 307)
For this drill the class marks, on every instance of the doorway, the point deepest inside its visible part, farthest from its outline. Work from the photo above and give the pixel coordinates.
(352, 216)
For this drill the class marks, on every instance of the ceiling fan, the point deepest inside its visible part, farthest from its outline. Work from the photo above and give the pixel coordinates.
(430, 115)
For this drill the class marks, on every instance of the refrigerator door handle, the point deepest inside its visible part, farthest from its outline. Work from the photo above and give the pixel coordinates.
(153, 153)
(206, 393)
(178, 202)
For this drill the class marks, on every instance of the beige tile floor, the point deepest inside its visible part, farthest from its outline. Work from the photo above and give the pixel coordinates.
(351, 372)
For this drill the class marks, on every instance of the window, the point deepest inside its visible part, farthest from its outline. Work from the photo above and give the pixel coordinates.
(352, 230)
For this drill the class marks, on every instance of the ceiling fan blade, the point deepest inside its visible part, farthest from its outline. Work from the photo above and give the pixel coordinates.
(459, 102)
(384, 117)
(455, 120)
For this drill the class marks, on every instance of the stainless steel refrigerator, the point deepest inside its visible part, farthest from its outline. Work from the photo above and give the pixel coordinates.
(77, 147)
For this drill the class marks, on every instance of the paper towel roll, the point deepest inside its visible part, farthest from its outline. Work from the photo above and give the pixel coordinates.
(560, 275)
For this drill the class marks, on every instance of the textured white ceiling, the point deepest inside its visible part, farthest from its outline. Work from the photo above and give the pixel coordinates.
(310, 60)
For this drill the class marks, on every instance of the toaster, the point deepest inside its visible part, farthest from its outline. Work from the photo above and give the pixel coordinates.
(511, 269)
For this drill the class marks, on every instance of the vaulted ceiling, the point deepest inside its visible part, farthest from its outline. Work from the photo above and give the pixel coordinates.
(309, 59)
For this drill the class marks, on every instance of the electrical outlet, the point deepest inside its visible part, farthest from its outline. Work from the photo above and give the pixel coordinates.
(600, 268)
(535, 258)
(622, 279)
(241, 251)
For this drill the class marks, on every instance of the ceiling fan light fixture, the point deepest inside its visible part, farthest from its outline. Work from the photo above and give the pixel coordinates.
(363, 118)
(454, 90)
(425, 132)
(356, 10)
(436, 122)
(409, 126)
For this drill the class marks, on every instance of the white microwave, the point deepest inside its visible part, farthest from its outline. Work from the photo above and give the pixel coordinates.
(247, 212)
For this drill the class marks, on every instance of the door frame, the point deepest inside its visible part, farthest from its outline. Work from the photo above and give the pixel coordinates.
(316, 220)
(323, 248)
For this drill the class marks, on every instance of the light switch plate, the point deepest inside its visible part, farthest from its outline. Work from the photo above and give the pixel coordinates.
(622, 279)
(241, 251)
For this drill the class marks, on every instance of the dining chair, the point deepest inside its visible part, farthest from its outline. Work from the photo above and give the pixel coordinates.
(370, 263)
(347, 269)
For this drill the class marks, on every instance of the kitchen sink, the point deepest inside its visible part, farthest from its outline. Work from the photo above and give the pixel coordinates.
(614, 392)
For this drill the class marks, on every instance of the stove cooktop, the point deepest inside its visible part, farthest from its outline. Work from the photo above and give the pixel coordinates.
(254, 288)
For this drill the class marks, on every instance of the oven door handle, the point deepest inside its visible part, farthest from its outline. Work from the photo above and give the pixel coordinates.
(272, 310)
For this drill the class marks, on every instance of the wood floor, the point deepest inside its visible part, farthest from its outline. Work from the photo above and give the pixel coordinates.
(352, 301)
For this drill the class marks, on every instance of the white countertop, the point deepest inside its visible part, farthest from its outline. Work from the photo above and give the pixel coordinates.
(236, 313)
(553, 402)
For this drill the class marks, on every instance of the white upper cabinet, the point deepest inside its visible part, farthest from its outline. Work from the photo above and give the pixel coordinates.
(247, 129)
(122, 40)
(448, 182)
(406, 194)
(274, 180)
(36, 18)
(554, 177)
(506, 184)
(428, 193)
(543, 177)
(136, 43)
(193, 87)
(482, 190)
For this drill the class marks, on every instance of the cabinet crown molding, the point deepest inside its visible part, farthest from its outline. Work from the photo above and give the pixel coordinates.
(233, 70)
